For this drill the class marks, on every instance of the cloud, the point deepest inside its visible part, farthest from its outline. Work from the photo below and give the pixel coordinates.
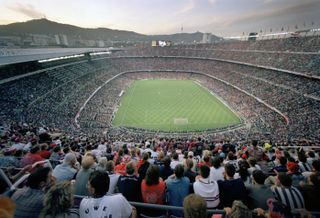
(293, 9)
(26, 9)
(186, 8)
(212, 1)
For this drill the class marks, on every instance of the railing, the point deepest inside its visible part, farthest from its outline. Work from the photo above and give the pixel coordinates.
(166, 208)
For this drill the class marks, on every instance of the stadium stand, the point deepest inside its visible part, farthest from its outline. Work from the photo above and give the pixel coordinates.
(69, 109)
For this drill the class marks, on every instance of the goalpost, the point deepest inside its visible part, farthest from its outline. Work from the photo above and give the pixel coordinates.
(180, 121)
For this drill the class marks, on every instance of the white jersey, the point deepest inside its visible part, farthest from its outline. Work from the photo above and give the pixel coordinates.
(209, 190)
(216, 174)
(109, 206)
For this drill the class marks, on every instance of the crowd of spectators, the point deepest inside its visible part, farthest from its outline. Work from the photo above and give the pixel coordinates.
(292, 44)
(57, 103)
(288, 54)
(226, 175)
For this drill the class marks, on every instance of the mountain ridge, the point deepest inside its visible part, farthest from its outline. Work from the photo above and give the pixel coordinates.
(51, 28)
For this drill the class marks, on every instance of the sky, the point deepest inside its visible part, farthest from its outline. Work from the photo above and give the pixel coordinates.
(220, 17)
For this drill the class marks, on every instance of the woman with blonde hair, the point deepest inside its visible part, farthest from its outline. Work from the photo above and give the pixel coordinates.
(58, 202)
(82, 177)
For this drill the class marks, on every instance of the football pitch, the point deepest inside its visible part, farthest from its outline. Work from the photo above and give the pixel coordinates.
(172, 105)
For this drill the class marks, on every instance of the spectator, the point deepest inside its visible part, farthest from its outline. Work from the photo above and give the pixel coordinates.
(294, 173)
(238, 209)
(216, 171)
(189, 172)
(315, 168)
(231, 189)
(207, 189)
(165, 169)
(8, 207)
(283, 165)
(311, 192)
(144, 165)
(29, 200)
(253, 165)
(101, 204)
(175, 161)
(82, 177)
(58, 202)
(191, 157)
(194, 206)
(67, 170)
(31, 157)
(286, 193)
(55, 156)
(311, 157)
(258, 193)
(177, 188)
(113, 177)
(303, 164)
(153, 187)
(102, 164)
(129, 185)
(45, 153)
(243, 172)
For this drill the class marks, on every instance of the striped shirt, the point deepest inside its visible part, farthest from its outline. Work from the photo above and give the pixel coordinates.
(305, 167)
(291, 197)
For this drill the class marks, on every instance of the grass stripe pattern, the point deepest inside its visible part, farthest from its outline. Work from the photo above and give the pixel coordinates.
(172, 106)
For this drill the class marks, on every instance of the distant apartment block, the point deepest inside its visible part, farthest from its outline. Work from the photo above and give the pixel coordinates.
(206, 38)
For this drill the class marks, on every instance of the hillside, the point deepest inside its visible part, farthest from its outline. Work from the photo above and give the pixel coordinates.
(46, 27)
(50, 28)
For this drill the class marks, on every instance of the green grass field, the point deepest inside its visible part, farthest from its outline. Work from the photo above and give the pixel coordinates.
(172, 105)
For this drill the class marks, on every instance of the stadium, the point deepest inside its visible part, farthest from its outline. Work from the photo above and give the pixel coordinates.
(273, 93)
(162, 129)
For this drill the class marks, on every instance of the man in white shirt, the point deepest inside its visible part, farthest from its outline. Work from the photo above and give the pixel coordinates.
(207, 189)
(102, 205)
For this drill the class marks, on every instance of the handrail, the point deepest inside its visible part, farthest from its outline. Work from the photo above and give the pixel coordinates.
(169, 207)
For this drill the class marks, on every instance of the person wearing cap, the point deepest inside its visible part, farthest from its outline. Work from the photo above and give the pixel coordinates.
(294, 173)
(31, 157)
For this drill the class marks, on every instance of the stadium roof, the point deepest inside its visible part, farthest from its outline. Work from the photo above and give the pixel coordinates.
(12, 56)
